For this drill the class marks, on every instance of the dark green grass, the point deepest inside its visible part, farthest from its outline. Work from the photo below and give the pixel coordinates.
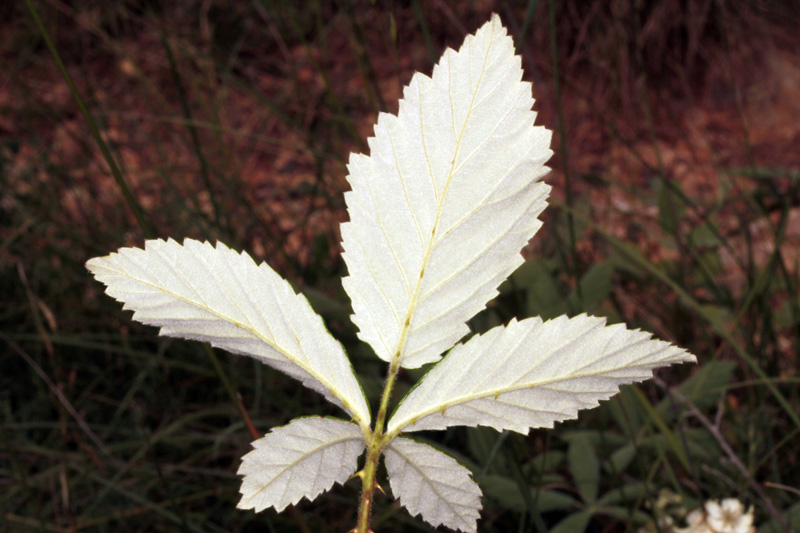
(106, 427)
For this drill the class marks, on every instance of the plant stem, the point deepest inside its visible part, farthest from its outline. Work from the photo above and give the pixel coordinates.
(374, 447)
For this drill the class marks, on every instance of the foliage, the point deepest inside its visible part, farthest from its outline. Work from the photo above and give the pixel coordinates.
(681, 186)
(438, 213)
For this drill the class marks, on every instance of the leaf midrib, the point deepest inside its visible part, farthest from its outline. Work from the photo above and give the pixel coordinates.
(496, 392)
(251, 329)
(415, 299)
(317, 449)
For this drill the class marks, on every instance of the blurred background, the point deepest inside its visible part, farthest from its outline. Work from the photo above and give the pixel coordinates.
(675, 208)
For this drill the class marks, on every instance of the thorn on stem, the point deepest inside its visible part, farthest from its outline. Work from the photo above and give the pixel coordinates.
(360, 474)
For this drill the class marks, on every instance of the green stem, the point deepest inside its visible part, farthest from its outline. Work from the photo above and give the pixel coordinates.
(374, 446)
(368, 487)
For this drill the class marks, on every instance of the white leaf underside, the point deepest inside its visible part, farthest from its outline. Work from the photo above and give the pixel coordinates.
(438, 215)
(432, 484)
(302, 459)
(445, 202)
(531, 374)
(195, 291)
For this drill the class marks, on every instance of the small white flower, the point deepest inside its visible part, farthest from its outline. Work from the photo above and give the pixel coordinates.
(726, 517)
(729, 517)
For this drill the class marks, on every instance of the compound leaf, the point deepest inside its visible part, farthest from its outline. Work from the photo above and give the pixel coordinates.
(432, 484)
(445, 202)
(531, 374)
(302, 459)
(195, 291)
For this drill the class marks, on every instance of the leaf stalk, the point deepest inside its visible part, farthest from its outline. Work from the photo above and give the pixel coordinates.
(375, 444)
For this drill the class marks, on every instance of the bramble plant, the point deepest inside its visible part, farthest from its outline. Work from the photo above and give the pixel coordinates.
(439, 213)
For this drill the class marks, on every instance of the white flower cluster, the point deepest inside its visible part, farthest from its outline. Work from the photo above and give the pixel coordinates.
(726, 517)
(729, 516)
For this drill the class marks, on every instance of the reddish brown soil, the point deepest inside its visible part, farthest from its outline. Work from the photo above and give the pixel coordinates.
(632, 110)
